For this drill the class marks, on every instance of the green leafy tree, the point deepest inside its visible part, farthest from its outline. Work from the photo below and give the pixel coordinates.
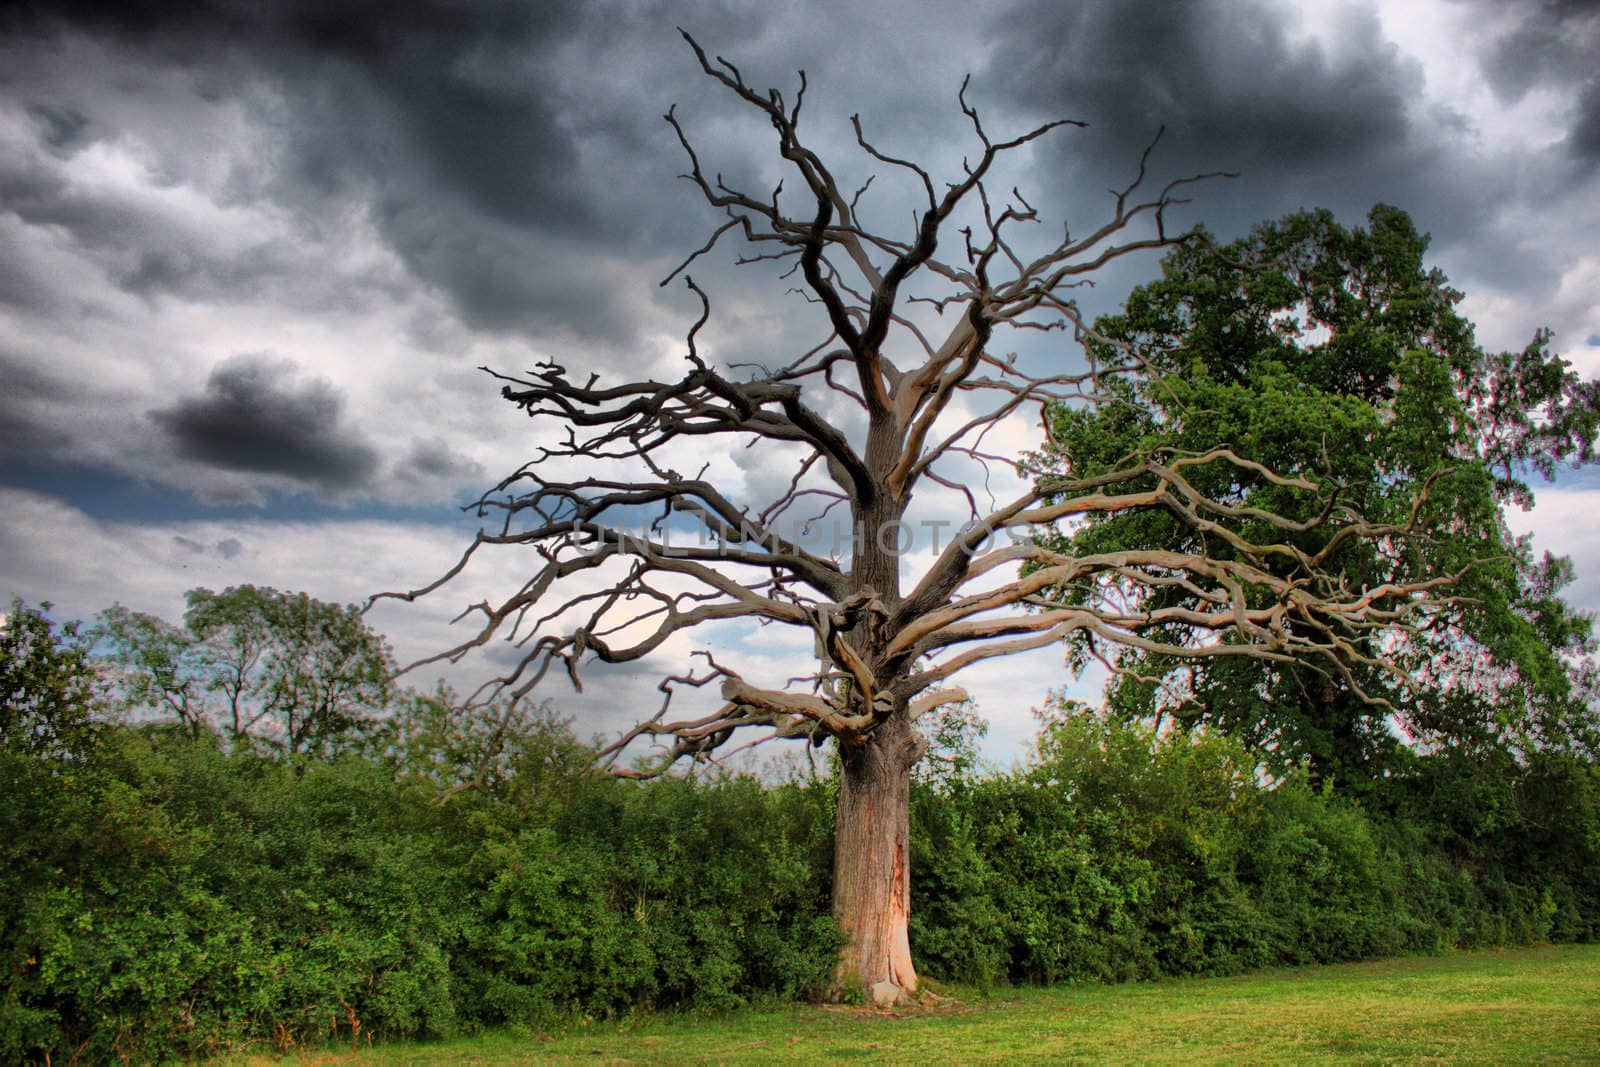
(1336, 358)
(255, 664)
(50, 693)
(48, 685)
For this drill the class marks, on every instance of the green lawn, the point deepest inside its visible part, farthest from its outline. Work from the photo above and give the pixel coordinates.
(1533, 1005)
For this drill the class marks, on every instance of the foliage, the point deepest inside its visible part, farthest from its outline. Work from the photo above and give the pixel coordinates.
(954, 733)
(259, 665)
(512, 749)
(170, 897)
(1336, 357)
(1125, 853)
(180, 900)
(165, 896)
(48, 685)
(631, 897)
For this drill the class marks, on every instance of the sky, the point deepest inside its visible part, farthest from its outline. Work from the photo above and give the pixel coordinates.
(255, 252)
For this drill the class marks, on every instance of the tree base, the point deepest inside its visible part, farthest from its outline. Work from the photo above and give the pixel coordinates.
(886, 994)
(871, 871)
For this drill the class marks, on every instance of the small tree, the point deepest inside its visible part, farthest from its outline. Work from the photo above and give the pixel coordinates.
(254, 664)
(896, 396)
(49, 689)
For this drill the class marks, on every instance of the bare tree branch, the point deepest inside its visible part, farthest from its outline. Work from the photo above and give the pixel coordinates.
(709, 554)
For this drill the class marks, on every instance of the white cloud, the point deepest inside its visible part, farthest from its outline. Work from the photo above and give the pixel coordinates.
(1563, 522)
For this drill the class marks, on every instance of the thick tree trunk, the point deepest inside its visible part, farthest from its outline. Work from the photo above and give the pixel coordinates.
(872, 865)
(872, 823)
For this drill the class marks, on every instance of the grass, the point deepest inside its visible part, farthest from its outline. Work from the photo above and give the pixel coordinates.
(1530, 1005)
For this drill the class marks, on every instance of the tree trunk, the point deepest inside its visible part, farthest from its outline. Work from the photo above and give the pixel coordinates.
(872, 865)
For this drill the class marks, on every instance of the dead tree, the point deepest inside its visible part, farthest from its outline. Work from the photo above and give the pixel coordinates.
(888, 644)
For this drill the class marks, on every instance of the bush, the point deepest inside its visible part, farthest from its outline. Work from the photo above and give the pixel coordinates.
(162, 897)
(183, 901)
(167, 898)
(1120, 854)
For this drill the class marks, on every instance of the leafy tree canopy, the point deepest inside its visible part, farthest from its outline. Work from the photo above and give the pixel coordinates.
(1335, 356)
(255, 664)
(48, 685)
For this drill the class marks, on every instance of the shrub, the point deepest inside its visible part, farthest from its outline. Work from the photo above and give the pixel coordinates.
(161, 897)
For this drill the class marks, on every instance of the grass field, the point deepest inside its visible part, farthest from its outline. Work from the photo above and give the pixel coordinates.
(1533, 1005)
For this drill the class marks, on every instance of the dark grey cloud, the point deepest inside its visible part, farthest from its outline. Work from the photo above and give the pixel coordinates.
(1583, 139)
(1305, 122)
(505, 279)
(433, 458)
(29, 403)
(454, 125)
(458, 92)
(143, 247)
(1550, 44)
(30, 191)
(511, 154)
(258, 415)
(1340, 120)
(22, 286)
(227, 548)
(149, 256)
(510, 157)
(63, 128)
(1548, 41)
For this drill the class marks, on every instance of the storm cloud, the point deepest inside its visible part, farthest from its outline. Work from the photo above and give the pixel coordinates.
(501, 168)
(29, 404)
(1229, 86)
(1552, 45)
(444, 127)
(386, 197)
(257, 414)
